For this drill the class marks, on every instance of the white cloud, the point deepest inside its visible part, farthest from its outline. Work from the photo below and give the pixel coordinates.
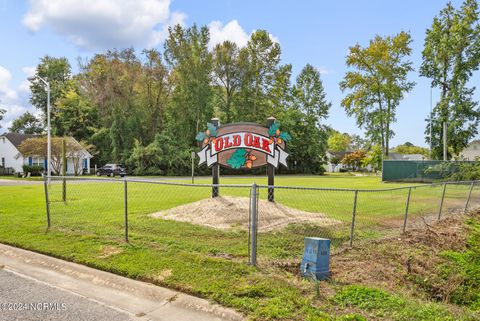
(324, 71)
(101, 24)
(10, 100)
(24, 87)
(232, 31)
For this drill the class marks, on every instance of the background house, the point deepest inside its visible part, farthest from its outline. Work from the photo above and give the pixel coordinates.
(10, 156)
(334, 160)
(471, 152)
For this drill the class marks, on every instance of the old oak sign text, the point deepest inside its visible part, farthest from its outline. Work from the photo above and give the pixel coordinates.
(243, 146)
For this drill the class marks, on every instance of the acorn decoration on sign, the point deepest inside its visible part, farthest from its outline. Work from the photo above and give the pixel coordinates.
(209, 135)
(241, 158)
(276, 135)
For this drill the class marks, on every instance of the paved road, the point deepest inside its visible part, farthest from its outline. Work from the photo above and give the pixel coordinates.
(15, 182)
(23, 299)
(77, 292)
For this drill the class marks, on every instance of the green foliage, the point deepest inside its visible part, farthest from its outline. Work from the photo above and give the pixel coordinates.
(27, 123)
(456, 171)
(227, 79)
(338, 142)
(385, 305)
(373, 158)
(467, 265)
(120, 100)
(57, 72)
(450, 56)
(409, 148)
(377, 84)
(164, 156)
(34, 170)
(76, 116)
(237, 160)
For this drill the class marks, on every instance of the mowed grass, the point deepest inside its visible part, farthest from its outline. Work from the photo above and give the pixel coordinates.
(89, 229)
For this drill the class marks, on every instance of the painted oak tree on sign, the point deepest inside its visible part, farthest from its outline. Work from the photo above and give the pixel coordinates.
(451, 54)
(377, 84)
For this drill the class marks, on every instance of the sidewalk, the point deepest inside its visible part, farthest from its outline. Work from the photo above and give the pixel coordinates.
(141, 301)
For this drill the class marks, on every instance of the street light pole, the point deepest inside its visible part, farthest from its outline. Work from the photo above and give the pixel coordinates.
(49, 138)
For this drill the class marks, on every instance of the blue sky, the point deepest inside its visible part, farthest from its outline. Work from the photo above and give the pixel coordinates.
(315, 32)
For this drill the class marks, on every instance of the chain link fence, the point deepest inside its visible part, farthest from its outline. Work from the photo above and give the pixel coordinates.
(242, 224)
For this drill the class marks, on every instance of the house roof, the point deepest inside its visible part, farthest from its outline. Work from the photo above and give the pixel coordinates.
(340, 154)
(16, 139)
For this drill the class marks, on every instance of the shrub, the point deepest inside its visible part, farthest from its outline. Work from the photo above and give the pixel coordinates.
(34, 170)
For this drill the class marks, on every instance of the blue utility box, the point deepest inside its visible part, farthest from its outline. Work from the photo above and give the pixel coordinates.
(316, 258)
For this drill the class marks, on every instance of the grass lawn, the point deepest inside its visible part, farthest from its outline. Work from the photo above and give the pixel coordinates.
(201, 260)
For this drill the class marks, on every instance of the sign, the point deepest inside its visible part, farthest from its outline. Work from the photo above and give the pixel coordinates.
(243, 145)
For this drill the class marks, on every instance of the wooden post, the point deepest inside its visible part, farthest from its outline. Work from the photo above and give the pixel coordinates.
(215, 167)
(271, 170)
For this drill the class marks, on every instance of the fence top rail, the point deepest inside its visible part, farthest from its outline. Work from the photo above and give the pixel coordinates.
(145, 181)
(370, 190)
(158, 182)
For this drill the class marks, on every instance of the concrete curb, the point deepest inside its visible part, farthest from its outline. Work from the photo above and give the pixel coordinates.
(144, 300)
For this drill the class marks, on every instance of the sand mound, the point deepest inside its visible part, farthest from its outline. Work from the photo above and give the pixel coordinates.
(229, 212)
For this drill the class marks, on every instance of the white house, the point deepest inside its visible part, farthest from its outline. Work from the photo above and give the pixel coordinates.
(10, 156)
(471, 152)
(334, 160)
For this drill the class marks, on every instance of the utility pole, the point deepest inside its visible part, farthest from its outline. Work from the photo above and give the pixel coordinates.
(445, 156)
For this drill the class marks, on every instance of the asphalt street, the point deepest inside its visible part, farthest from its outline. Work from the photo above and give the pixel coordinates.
(26, 299)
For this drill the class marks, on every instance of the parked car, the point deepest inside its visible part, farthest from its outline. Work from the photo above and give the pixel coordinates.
(112, 170)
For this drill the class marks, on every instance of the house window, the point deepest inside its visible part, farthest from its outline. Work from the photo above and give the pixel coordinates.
(3, 140)
(3, 162)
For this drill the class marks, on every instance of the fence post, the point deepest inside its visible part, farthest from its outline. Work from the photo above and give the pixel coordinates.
(354, 212)
(406, 210)
(468, 198)
(64, 170)
(254, 220)
(126, 208)
(47, 199)
(441, 202)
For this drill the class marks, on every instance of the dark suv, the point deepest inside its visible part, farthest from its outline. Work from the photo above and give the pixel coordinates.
(112, 170)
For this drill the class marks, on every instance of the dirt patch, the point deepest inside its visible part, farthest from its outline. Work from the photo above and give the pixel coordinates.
(108, 251)
(162, 275)
(228, 212)
(410, 261)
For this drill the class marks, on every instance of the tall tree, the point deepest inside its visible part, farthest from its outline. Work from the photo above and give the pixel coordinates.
(338, 142)
(76, 115)
(378, 84)
(187, 55)
(27, 123)
(227, 75)
(57, 72)
(450, 55)
(154, 91)
(260, 62)
(303, 118)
